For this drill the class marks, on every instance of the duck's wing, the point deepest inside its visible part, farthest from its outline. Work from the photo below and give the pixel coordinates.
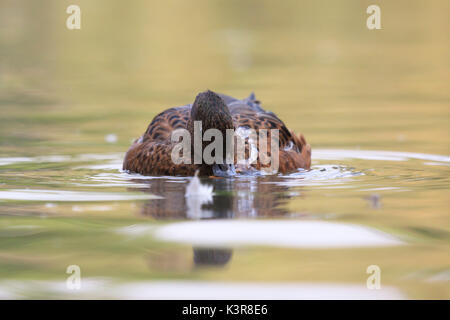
(151, 154)
(164, 123)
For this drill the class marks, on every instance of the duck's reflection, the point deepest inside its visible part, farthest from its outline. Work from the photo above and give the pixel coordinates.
(232, 198)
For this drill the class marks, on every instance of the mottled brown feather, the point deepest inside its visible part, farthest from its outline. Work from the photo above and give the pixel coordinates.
(151, 154)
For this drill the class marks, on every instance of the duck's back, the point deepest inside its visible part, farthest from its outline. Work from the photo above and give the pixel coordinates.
(246, 113)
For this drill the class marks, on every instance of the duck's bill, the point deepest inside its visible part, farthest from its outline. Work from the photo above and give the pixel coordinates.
(224, 170)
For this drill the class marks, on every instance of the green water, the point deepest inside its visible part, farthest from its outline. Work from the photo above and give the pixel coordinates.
(374, 105)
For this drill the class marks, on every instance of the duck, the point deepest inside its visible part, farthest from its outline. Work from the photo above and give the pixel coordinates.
(150, 155)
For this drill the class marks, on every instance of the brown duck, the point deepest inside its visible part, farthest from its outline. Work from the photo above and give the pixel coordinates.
(151, 153)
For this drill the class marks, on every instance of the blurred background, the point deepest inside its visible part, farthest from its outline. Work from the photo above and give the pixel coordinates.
(71, 101)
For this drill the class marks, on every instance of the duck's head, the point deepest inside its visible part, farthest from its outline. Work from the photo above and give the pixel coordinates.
(210, 109)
